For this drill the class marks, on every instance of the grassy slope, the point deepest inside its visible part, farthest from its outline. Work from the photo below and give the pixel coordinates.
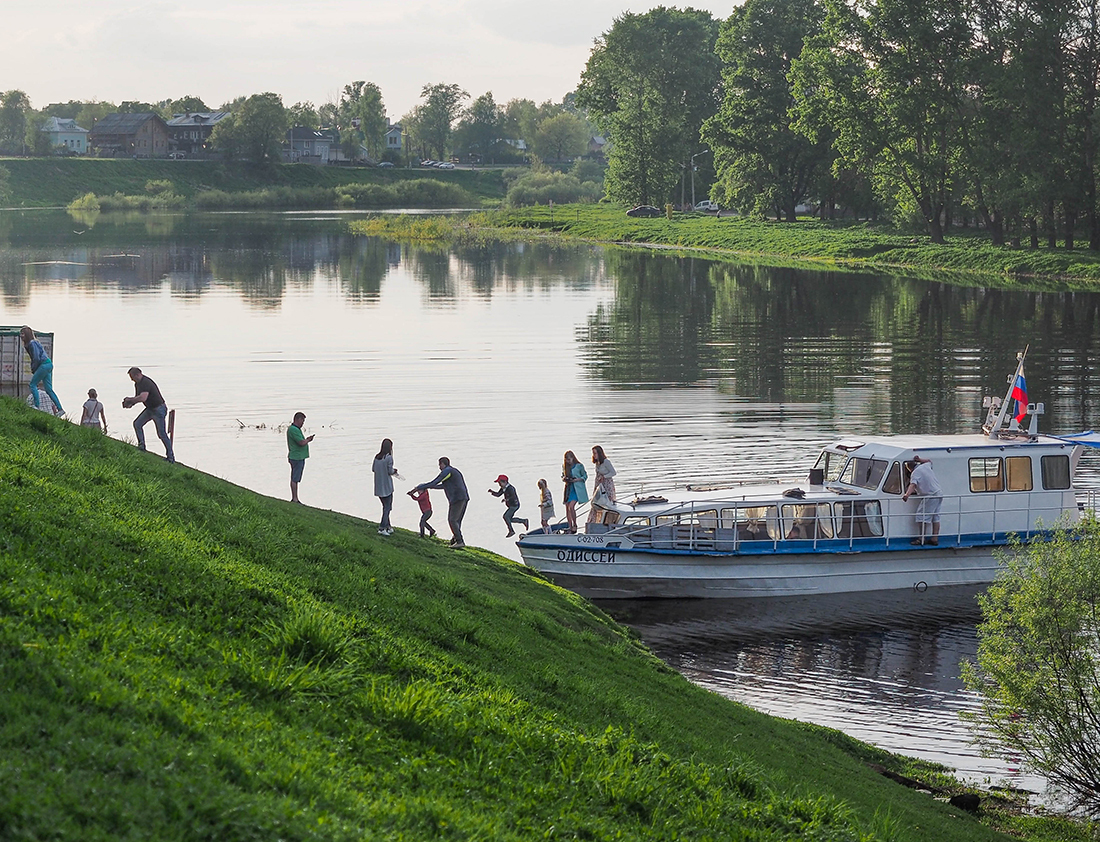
(182, 658)
(840, 243)
(54, 182)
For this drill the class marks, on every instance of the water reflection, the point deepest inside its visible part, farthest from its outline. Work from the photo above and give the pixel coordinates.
(883, 667)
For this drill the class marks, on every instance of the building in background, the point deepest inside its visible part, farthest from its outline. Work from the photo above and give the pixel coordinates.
(189, 133)
(65, 134)
(130, 136)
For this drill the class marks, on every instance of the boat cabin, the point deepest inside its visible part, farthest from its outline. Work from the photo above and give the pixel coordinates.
(991, 488)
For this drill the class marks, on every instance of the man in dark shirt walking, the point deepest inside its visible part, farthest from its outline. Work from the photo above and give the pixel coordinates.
(454, 486)
(156, 410)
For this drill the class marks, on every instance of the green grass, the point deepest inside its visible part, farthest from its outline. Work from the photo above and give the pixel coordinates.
(55, 182)
(181, 658)
(854, 245)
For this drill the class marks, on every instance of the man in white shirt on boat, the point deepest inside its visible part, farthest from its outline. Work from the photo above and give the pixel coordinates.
(923, 484)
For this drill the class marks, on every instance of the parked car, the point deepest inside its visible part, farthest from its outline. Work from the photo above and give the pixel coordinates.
(177, 156)
(446, 165)
(428, 163)
(385, 165)
(645, 210)
(707, 206)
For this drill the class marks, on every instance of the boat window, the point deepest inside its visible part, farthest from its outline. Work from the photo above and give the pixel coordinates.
(986, 475)
(1055, 472)
(808, 521)
(893, 480)
(707, 519)
(831, 464)
(859, 519)
(753, 523)
(864, 473)
(1018, 469)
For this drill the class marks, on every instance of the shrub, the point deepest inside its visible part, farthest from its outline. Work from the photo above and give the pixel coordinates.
(538, 188)
(87, 202)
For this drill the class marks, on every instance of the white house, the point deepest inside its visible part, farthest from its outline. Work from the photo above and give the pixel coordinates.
(393, 138)
(65, 133)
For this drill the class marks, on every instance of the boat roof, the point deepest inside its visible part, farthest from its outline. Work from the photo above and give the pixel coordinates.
(889, 447)
(903, 447)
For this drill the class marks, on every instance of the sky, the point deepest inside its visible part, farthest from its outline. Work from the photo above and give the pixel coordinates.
(308, 50)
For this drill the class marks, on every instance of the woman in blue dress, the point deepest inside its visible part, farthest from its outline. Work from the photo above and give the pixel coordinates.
(574, 476)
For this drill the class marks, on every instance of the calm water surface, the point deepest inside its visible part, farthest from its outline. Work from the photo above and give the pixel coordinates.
(504, 356)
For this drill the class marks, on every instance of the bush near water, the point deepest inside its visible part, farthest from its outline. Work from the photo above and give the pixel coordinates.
(181, 658)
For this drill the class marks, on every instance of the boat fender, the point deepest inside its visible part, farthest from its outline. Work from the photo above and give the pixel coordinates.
(797, 493)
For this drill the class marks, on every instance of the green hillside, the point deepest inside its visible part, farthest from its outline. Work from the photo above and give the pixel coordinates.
(181, 658)
(54, 182)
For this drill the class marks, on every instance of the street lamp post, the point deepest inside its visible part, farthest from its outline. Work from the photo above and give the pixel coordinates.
(693, 157)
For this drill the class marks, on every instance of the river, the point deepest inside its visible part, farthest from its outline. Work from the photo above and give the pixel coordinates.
(503, 356)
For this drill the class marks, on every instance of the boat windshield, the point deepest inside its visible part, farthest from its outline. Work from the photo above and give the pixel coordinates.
(864, 473)
(831, 464)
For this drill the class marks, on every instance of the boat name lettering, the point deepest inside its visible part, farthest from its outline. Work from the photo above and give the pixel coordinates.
(600, 556)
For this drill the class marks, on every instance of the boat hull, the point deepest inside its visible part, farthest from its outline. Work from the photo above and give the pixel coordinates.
(633, 574)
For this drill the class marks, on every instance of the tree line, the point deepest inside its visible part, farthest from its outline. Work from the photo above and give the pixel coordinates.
(937, 112)
(445, 122)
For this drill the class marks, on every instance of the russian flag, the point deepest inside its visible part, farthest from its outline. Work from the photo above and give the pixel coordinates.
(1019, 394)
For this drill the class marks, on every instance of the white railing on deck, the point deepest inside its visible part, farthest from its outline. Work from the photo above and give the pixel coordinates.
(1021, 514)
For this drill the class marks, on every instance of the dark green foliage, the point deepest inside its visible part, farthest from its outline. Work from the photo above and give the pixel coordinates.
(1039, 664)
(183, 659)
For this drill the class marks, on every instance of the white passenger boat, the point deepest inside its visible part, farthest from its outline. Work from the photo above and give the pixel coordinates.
(847, 529)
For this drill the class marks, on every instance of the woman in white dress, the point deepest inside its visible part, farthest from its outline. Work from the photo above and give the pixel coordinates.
(604, 483)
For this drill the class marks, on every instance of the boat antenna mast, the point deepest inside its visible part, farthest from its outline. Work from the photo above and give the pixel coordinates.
(993, 427)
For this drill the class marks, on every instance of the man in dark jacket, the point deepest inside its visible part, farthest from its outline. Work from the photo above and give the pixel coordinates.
(454, 486)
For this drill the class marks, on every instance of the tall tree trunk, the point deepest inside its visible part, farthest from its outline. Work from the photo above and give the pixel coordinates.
(1049, 224)
(1033, 232)
(1071, 222)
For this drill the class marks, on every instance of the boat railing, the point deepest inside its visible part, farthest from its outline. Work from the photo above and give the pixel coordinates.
(858, 522)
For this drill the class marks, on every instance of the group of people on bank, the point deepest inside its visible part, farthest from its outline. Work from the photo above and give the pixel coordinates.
(146, 392)
(453, 484)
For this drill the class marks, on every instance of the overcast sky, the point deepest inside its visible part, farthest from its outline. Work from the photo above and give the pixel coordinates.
(306, 51)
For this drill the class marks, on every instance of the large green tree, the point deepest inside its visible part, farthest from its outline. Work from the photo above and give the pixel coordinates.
(254, 131)
(15, 109)
(436, 116)
(889, 78)
(481, 128)
(650, 82)
(362, 113)
(561, 137)
(761, 161)
(303, 114)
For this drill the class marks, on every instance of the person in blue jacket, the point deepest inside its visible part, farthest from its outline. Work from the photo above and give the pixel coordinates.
(574, 476)
(41, 368)
(454, 486)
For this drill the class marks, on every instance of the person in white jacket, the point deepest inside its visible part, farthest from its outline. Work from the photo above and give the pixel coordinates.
(923, 484)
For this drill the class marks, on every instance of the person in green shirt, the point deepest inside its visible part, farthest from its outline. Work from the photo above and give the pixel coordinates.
(297, 452)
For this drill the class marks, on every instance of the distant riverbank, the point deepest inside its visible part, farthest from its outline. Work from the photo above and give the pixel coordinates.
(56, 182)
(967, 256)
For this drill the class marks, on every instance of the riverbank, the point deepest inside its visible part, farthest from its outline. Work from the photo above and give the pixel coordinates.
(183, 658)
(55, 182)
(967, 256)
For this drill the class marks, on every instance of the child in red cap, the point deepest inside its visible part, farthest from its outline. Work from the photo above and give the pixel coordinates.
(511, 500)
